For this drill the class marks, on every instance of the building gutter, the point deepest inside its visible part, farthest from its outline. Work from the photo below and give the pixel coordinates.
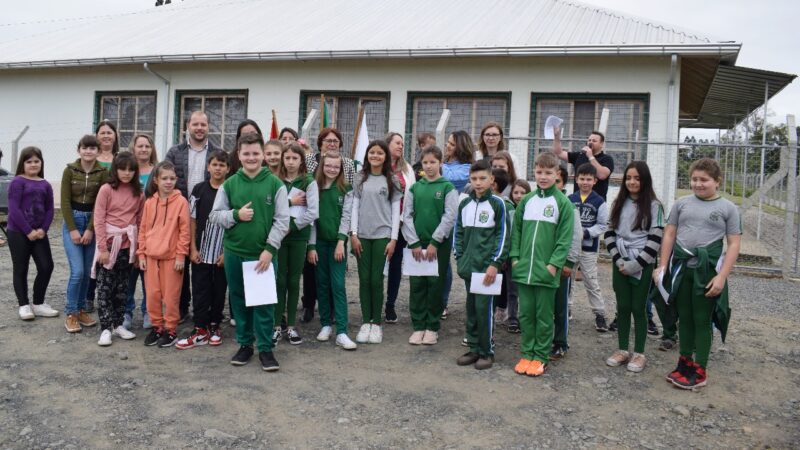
(721, 50)
(168, 84)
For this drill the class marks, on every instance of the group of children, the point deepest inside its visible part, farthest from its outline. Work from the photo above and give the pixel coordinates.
(279, 214)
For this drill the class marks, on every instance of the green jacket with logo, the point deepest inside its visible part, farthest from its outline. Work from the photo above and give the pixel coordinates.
(482, 236)
(541, 236)
(300, 227)
(430, 212)
(335, 208)
(270, 222)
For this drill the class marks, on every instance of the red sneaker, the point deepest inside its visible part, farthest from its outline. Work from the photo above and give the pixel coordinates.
(199, 337)
(216, 336)
(694, 379)
(683, 364)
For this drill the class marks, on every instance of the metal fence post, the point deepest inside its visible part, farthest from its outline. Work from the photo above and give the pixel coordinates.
(441, 127)
(791, 197)
(15, 147)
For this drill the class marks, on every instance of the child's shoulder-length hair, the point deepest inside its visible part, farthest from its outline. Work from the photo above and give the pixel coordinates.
(152, 185)
(340, 182)
(125, 160)
(28, 153)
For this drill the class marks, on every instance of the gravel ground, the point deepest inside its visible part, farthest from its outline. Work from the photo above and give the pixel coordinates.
(63, 391)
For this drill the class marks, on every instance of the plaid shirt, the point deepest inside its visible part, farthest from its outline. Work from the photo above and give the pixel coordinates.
(349, 167)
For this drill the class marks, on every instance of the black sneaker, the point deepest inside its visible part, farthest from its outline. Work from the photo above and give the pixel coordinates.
(513, 327)
(167, 339)
(308, 315)
(652, 328)
(600, 323)
(391, 315)
(268, 361)
(243, 356)
(294, 336)
(559, 351)
(667, 344)
(613, 326)
(153, 337)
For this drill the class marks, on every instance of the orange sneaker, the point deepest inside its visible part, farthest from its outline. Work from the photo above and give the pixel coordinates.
(522, 366)
(535, 369)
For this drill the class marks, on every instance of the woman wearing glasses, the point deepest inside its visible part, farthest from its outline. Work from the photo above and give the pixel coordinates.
(491, 141)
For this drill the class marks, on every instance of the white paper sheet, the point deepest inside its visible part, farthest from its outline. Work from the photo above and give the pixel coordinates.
(476, 285)
(414, 268)
(549, 126)
(660, 285)
(259, 288)
(296, 211)
(386, 268)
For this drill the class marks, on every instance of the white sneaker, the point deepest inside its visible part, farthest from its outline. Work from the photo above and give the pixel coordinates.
(430, 338)
(342, 340)
(44, 310)
(123, 332)
(363, 334)
(105, 338)
(26, 313)
(325, 334)
(375, 334)
(416, 338)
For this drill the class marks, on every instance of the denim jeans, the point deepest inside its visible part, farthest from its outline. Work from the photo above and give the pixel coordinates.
(80, 259)
(130, 305)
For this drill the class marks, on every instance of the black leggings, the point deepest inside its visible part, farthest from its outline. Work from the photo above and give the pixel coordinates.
(21, 251)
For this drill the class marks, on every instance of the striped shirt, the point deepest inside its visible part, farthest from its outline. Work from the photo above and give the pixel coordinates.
(208, 235)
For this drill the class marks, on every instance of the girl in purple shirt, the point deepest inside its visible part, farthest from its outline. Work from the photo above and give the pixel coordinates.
(30, 213)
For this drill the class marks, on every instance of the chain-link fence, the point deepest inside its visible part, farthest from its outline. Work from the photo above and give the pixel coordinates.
(756, 178)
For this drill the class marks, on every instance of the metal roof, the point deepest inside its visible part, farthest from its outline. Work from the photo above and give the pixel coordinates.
(222, 30)
(734, 94)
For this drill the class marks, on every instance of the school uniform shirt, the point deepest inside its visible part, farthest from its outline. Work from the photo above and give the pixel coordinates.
(482, 234)
(270, 222)
(637, 248)
(702, 222)
(593, 213)
(542, 236)
(349, 165)
(578, 158)
(208, 235)
(375, 215)
(335, 208)
(430, 212)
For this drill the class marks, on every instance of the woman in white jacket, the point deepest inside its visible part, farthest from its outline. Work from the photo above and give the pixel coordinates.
(405, 174)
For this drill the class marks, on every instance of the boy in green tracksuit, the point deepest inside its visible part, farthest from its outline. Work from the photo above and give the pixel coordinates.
(482, 242)
(253, 208)
(541, 240)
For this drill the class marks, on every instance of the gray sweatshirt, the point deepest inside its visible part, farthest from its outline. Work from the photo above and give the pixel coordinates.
(375, 216)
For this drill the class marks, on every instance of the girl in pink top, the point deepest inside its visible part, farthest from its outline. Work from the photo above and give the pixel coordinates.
(117, 213)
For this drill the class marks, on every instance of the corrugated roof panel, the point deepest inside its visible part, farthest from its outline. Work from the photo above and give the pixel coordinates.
(285, 27)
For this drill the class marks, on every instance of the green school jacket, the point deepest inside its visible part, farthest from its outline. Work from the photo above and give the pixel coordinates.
(430, 212)
(300, 227)
(270, 222)
(482, 234)
(542, 235)
(335, 207)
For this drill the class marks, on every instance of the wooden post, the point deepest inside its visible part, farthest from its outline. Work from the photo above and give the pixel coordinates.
(358, 130)
(323, 110)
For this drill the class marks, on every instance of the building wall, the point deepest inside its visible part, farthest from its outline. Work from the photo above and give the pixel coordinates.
(58, 104)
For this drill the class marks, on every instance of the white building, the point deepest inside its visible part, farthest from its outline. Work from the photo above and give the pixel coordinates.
(512, 61)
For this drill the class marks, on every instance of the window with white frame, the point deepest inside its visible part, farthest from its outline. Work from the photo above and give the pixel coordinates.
(468, 112)
(342, 111)
(225, 110)
(131, 112)
(627, 121)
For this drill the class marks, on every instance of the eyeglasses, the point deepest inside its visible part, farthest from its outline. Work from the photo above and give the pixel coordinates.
(331, 141)
(491, 135)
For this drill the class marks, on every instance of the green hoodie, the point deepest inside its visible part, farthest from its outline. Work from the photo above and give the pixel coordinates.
(300, 227)
(79, 190)
(270, 222)
(542, 236)
(335, 207)
(482, 234)
(430, 212)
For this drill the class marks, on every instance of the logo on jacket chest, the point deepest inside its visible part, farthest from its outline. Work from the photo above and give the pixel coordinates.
(340, 200)
(549, 211)
(268, 200)
(439, 195)
(483, 217)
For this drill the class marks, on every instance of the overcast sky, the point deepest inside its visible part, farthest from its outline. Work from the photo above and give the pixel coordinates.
(768, 30)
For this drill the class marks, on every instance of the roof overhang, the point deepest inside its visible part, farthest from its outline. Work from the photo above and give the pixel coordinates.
(721, 50)
(734, 93)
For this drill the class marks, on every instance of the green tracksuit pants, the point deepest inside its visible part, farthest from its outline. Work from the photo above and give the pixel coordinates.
(536, 317)
(291, 257)
(631, 301)
(480, 321)
(694, 320)
(561, 322)
(253, 323)
(370, 279)
(330, 281)
(425, 302)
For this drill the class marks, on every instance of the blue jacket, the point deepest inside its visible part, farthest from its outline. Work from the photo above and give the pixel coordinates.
(456, 173)
(594, 218)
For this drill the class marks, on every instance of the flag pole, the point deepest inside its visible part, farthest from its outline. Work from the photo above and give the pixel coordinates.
(322, 111)
(274, 118)
(358, 130)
